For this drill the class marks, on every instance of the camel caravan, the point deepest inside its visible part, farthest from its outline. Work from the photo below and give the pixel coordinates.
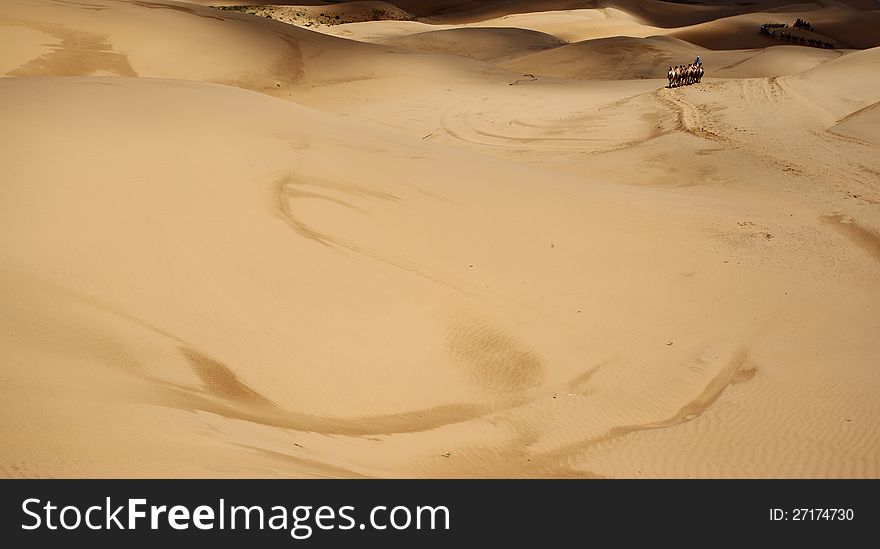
(777, 32)
(804, 24)
(684, 75)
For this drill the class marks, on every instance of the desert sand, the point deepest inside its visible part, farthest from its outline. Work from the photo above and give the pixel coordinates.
(465, 239)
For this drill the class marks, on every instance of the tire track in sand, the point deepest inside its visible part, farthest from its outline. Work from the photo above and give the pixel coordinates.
(688, 117)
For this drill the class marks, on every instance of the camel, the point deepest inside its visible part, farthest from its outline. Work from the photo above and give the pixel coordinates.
(680, 75)
(683, 75)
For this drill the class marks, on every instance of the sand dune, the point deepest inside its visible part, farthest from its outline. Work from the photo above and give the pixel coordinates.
(565, 26)
(387, 253)
(621, 58)
(333, 14)
(624, 58)
(667, 14)
(860, 124)
(568, 26)
(739, 32)
(485, 44)
(575, 25)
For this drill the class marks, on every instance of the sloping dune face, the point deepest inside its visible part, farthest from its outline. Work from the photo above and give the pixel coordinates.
(234, 247)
